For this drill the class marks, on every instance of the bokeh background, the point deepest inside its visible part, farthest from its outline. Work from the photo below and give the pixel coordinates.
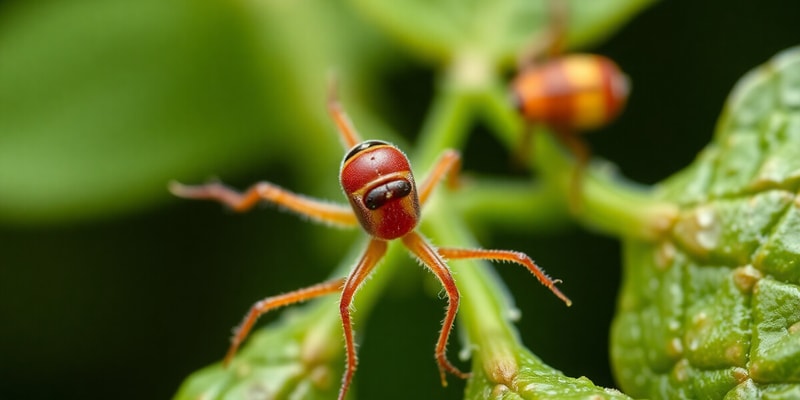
(109, 287)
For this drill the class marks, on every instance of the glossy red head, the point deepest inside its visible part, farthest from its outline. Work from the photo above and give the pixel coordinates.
(376, 177)
(576, 92)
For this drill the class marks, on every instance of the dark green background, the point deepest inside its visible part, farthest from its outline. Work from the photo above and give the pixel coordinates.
(128, 305)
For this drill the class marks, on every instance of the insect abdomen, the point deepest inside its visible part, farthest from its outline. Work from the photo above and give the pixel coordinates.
(579, 92)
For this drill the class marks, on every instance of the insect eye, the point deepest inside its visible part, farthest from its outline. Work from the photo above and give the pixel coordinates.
(382, 194)
(363, 146)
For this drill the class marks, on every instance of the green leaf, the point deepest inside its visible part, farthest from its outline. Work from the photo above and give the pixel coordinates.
(440, 30)
(102, 102)
(301, 356)
(292, 359)
(536, 380)
(711, 310)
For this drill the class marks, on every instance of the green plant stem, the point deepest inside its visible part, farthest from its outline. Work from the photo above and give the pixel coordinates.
(608, 203)
(522, 205)
(485, 304)
(445, 127)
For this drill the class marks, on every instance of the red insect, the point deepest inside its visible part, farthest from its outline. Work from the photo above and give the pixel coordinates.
(384, 198)
(570, 93)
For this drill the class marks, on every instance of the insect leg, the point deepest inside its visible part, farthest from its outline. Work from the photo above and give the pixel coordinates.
(375, 251)
(271, 303)
(431, 259)
(346, 129)
(448, 164)
(582, 155)
(516, 257)
(318, 210)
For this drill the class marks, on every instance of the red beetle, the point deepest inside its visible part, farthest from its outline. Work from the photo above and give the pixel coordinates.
(570, 94)
(384, 198)
(575, 92)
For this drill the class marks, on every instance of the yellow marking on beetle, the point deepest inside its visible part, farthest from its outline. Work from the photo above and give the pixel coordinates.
(589, 110)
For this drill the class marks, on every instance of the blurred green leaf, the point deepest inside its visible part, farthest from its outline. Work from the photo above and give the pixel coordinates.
(501, 30)
(711, 311)
(103, 102)
(293, 359)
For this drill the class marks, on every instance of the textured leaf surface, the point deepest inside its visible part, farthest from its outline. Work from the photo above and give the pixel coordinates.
(714, 310)
(536, 380)
(292, 360)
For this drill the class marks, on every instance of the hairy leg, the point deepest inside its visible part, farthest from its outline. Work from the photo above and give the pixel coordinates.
(431, 259)
(448, 165)
(318, 210)
(507, 255)
(270, 303)
(375, 251)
